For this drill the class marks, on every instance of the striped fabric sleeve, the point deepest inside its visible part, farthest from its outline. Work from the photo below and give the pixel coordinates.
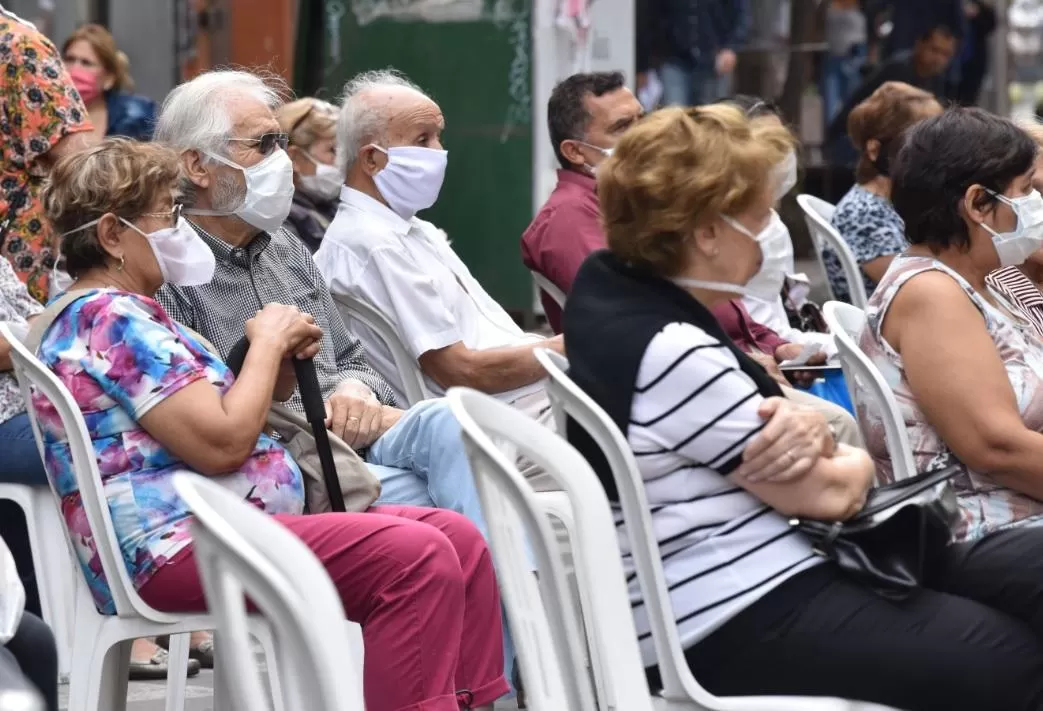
(692, 399)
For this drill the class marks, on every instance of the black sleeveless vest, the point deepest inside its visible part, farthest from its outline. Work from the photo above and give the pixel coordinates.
(613, 312)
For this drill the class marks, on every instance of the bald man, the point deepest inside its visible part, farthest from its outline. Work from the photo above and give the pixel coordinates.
(378, 251)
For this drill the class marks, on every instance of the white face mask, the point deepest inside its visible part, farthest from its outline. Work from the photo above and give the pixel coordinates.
(412, 178)
(607, 152)
(269, 192)
(786, 175)
(1013, 248)
(60, 281)
(184, 258)
(325, 184)
(776, 256)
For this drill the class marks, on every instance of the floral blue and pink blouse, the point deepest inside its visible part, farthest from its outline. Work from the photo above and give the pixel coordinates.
(120, 355)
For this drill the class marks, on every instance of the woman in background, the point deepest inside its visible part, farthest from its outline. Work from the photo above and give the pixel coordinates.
(864, 216)
(311, 125)
(101, 74)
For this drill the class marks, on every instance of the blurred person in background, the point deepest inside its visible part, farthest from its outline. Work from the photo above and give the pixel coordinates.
(42, 120)
(865, 217)
(101, 73)
(586, 115)
(311, 125)
(973, 61)
(842, 66)
(695, 44)
(923, 67)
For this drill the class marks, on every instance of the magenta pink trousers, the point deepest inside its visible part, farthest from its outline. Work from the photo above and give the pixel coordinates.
(420, 581)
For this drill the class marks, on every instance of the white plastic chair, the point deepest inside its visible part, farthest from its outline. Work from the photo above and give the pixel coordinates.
(550, 287)
(542, 617)
(409, 371)
(52, 562)
(817, 216)
(101, 643)
(866, 384)
(681, 691)
(240, 550)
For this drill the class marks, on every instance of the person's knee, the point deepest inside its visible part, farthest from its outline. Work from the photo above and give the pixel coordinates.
(436, 564)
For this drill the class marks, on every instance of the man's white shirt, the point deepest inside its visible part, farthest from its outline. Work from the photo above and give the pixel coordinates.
(407, 271)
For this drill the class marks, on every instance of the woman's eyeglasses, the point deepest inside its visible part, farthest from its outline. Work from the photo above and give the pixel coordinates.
(174, 215)
(266, 143)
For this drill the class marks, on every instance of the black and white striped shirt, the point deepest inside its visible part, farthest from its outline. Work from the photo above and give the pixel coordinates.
(692, 414)
(273, 268)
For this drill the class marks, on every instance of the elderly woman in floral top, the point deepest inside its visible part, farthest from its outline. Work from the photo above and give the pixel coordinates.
(157, 402)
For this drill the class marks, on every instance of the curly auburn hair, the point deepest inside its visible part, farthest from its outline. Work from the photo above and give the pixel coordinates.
(679, 169)
(119, 175)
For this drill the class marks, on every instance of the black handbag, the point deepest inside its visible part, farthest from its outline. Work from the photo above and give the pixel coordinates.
(886, 545)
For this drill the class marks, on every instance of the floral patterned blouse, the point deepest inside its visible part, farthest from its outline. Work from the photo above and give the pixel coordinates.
(120, 355)
(985, 505)
(38, 107)
(16, 306)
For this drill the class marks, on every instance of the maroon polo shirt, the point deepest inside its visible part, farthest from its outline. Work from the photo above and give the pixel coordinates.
(747, 333)
(565, 230)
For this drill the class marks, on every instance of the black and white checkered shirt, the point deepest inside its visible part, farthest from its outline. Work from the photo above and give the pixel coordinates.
(273, 268)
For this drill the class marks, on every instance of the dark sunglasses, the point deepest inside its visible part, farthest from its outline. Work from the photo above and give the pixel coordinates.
(266, 143)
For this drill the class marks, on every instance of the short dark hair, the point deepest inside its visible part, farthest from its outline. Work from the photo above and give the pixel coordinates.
(567, 117)
(943, 156)
(752, 106)
(939, 28)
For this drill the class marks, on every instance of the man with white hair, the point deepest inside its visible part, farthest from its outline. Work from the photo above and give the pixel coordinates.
(377, 250)
(239, 186)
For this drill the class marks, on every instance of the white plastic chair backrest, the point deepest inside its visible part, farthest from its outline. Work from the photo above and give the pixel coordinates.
(866, 384)
(550, 287)
(566, 397)
(542, 616)
(241, 550)
(817, 216)
(407, 366)
(33, 375)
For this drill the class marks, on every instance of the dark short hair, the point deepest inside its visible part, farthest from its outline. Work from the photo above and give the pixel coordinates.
(567, 117)
(939, 28)
(752, 106)
(943, 156)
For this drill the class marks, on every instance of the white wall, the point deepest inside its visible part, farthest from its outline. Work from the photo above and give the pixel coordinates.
(610, 46)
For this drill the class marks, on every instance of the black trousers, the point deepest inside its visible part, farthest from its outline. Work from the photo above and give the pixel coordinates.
(34, 649)
(971, 640)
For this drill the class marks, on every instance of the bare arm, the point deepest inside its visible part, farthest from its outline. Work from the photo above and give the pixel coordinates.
(70, 143)
(215, 434)
(833, 490)
(876, 268)
(5, 355)
(495, 370)
(942, 339)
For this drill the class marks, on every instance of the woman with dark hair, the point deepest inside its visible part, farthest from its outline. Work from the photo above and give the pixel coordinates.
(864, 216)
(965, 367)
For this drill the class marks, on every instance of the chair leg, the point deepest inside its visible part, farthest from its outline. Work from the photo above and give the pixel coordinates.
(274, 682)
(177, 671)
(107, 673)
(54, 571)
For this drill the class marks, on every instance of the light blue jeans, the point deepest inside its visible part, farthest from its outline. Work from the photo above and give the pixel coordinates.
(421, 462)
(684, 86)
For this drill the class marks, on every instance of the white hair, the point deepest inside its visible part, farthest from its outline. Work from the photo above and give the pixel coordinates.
(195, 114)
(360, 121)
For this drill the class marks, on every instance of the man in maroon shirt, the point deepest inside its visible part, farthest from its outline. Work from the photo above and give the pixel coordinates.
(586, 115)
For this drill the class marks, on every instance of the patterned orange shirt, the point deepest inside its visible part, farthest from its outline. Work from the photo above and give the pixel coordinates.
(38, 108)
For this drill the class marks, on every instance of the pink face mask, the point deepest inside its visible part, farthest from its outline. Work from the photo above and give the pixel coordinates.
(86, 82)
